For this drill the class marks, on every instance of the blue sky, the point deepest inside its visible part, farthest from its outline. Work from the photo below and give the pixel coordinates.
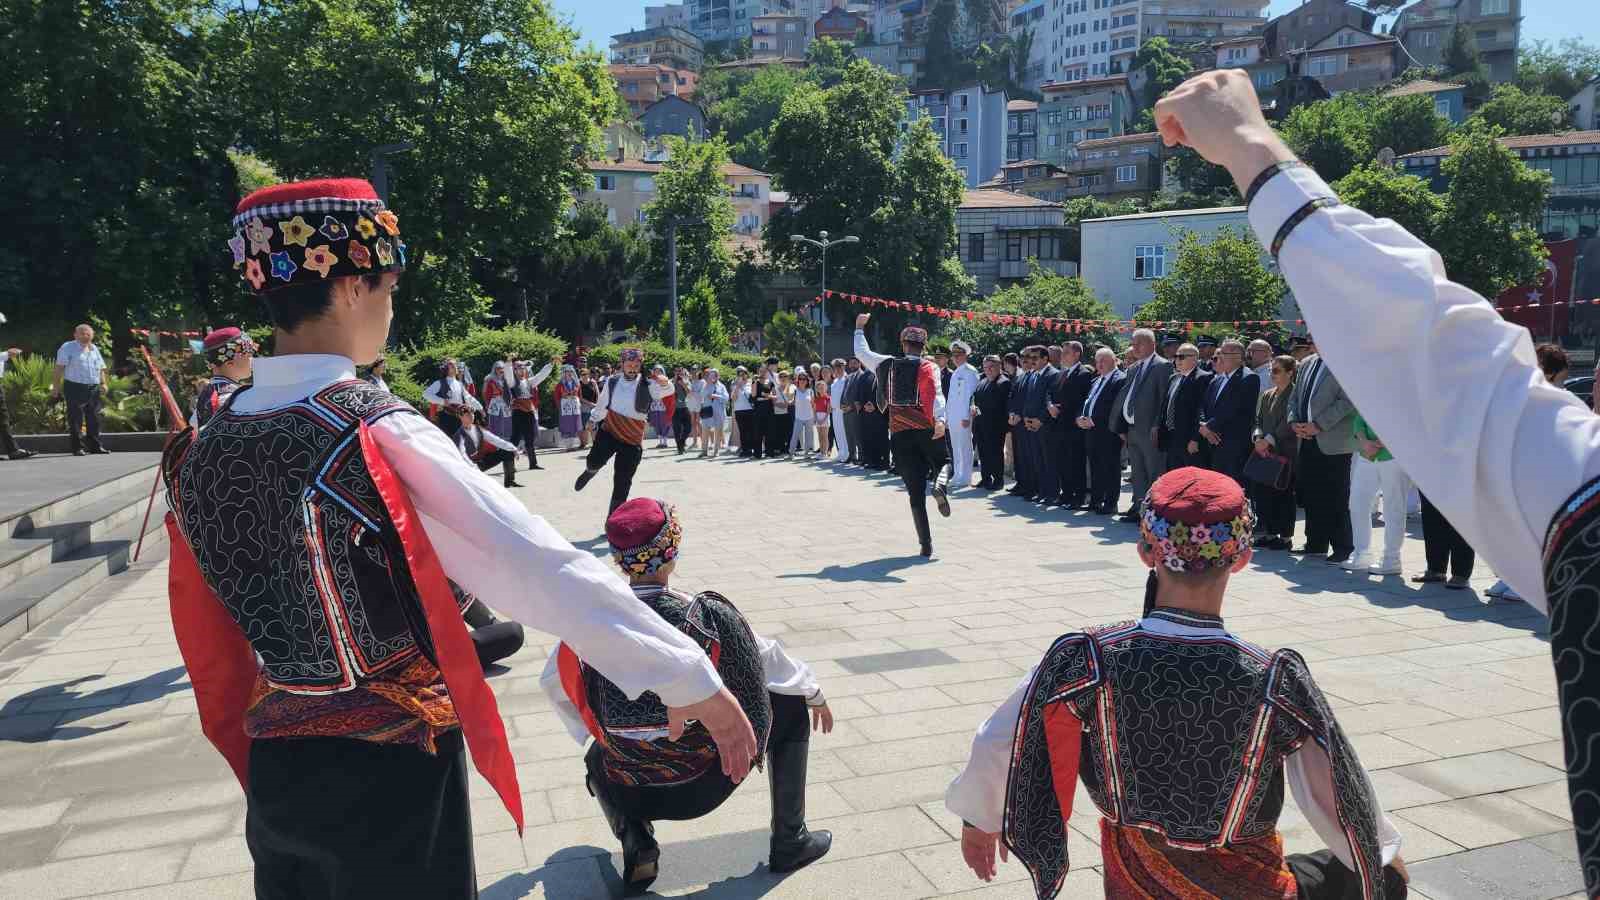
(1548, 20)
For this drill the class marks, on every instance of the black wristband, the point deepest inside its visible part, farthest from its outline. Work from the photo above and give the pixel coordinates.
(1267, 175)
(1300, 215)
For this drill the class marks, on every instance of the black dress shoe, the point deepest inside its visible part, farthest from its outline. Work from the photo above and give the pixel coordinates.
(21, 454)
(101, 450)
(512, 484)
(536, 467)
(584, 479)
(1307, 550)
(1129, 516)
(78, 453)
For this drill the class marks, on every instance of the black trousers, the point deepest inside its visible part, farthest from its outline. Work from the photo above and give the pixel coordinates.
(525, 431)
(762, 439)
(852, 435)
(1105, 468)
(83, 411)
(335, 818)
(745, 421)
(682, 425)
(1228, 458)
(449, 424)
(1325, 491)
(1274, 509)
(1178, 455)
(1022, 459)
(916, 456)
(791, 724)
(606, 446)
(1447, 551)
(991, 449)
(779, 432)
(875, 435)
(1046, 462)
(8, 444)
(492, 639)
(1321, 876)
(503, 458)
(1074, 456)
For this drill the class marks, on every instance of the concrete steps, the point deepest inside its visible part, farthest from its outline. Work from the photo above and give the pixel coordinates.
(52, 554)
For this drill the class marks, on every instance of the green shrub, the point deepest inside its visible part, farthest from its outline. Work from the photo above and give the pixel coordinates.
(127, 404)
(479, 349)
(656, 354)
(732, 360)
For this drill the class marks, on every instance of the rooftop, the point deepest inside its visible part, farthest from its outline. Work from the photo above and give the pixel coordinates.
(990, 198)
(731, 170)
(1421, 86)
(1021, 105)
(1526, 142)
(1141, 138)
(1175, 213)
(1060, 86)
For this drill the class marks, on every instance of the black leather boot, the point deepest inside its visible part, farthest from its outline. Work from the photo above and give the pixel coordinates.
(641, 855)
(793, 845)
(919, 515)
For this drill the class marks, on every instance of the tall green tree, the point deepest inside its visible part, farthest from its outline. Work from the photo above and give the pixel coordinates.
(790, 337)
(1408, 124)
(1163, 66)
(945, 63)
(590, 270)
(1385, 192)
(499, 106)
(118, 180)
(914, 229)
(1044, 295)
(745, 116)
(700, 320)
(691, 188)
(1332, 136)
(1513, 111)
(1222, 279)
(1487, 230)
(1461, 52)
(827, 60)
(1542, 69)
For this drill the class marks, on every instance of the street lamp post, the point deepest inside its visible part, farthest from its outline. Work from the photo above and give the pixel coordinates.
(380, 166)
(822, 243)
(672, 275)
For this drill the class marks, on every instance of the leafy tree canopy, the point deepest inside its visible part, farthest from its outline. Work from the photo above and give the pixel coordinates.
(1221, 279)
(1561, 72)
(1513, 111)
(591, 269)
(1164, 67)
(1045, 295)
(691, 189)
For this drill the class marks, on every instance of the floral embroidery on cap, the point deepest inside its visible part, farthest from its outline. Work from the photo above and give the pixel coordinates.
(260, 236)
(358, 255)
(385, 252)
(365, 228)
(333, 229)
(389, 221)
(253, 274)
(236, 245)
(283, 268)
(321, 260)
(1195, 548)
(296, 231)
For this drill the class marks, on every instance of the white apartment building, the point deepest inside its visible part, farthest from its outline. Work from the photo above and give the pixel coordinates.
(1080, 39)
(666, 14)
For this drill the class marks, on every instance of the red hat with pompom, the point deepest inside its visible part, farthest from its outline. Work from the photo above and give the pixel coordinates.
(310, 231)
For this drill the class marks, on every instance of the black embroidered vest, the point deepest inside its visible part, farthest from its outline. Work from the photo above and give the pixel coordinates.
(291, 535)
(1572, 588)
(628, 728)
(211, 396)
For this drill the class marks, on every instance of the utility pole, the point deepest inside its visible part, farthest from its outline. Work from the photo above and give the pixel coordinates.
(821, 242)
(672, 276)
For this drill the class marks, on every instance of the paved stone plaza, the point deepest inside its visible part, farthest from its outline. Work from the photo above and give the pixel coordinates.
(108, 789)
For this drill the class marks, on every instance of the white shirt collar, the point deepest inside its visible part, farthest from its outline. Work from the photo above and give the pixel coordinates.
(300, 368)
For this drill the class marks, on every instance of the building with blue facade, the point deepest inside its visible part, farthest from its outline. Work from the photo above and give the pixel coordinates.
(1573, 161)
(971, 125)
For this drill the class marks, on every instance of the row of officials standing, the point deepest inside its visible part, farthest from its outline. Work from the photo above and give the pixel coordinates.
(1072, 419)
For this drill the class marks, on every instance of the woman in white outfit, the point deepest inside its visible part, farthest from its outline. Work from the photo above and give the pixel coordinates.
(1374, 469)
(712, 414)
(805, 416)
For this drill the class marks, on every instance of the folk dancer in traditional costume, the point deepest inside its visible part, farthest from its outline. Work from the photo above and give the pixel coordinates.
(963, 386)
(485, 449)
(375, 374)
(908, 392)
(1512, 461)
(496, 394)
(229, 353)
(447, 396)
(635, 771)
(325, 539)
(1183, 735)
(525, 398)
(569, 407)
(619, 415)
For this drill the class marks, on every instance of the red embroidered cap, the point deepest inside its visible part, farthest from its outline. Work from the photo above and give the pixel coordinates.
(914, 334)
(226, 344)
(310, 231)
(644, 535)
(1196, 519)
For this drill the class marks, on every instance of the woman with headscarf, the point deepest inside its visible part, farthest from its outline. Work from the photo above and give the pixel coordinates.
(569, 407)
(588, 394)
(496, 394)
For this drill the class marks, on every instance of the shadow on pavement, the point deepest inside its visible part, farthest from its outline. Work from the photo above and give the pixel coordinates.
(873, 570)
(90, 703)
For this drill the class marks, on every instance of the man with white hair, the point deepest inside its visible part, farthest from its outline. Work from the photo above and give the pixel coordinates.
(1139, 412)
(1095, 420)
(1258, 356)
(963, 384)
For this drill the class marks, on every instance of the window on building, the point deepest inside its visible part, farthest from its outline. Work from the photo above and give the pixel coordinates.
(962, 171)
(1441, 106)
(1127, 174)
(644, 183)
(1326, 65)
(960, 151)
(1149, 261)
(1428, 39)
(641, 217)
(605, 182)
(1013, 246)
(961, 126)
(974, 246)
(1495, 7)
(1094, 180)
(611, 216)
(1346, 39)
(1050, 141)
(961, 101)
(1012, 123)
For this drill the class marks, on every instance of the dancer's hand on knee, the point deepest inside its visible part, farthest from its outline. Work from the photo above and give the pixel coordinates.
(978, 849)
(725, 720)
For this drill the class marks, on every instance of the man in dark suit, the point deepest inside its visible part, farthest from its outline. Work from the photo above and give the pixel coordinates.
(990, 428)
(1071, 442)
(1036, 418)
(852, 411)
(1208, 353)
(874, 423)
(1180, 426)
(1104, 445)
(1021, 438)
(1139, 411)
(1228, 412)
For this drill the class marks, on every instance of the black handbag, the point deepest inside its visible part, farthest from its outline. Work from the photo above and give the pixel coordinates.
(1271, 470)
(707, 412)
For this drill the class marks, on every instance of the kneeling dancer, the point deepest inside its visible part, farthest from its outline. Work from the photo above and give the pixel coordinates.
(1183, 735)
(640, 769)
(909, 393)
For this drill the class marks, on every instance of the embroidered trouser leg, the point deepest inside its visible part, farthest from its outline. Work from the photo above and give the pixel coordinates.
(335, 818)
